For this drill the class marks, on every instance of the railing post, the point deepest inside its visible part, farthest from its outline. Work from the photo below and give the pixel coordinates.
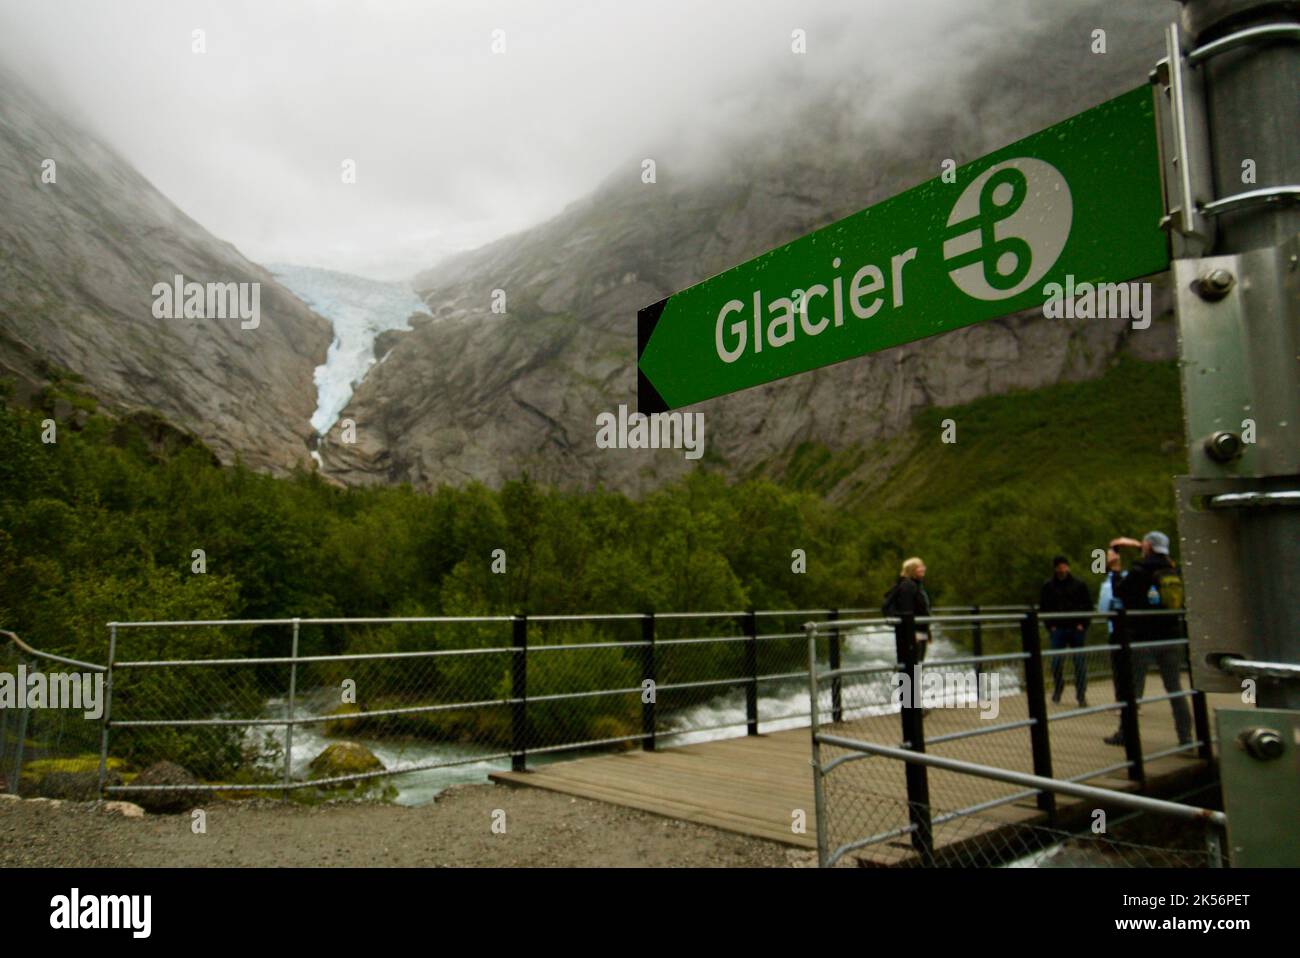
(1039, 738)
(751, 670)
(519, 693)
(837, 704)
(1213, 846)
(108, 708)
(4, 751)
(293, 701)
(1128, 717)
(648, 675)
(1200, 710)
(912, 712)
(24, 715)
(977, 642)
(814, 720)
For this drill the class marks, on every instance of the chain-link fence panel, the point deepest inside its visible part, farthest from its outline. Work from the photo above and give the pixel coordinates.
(49, 724)
(704, 677)
(1013, 700)
(330, 706)
(583, 688)
(868, 827)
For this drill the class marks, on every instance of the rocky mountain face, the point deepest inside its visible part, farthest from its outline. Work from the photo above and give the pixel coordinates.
(473, 394)
(79, 259)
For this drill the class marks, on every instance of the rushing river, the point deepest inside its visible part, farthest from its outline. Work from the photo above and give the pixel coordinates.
(721, 717)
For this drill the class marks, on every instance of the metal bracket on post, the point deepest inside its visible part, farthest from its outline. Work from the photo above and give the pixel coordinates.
(1259, 764)
(1184, 149)
(1239, 333)
(1183, 128)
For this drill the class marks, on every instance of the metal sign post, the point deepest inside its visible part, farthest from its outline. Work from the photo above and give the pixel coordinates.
(1230, 130)
(1231, 125)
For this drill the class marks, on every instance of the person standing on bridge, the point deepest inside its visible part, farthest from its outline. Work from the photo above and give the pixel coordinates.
(1153, 582)
(1064, 593)
(908, 596)
(1108, 600)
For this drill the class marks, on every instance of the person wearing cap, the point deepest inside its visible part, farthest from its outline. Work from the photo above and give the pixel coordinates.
(1135, 591)
(1064, 593)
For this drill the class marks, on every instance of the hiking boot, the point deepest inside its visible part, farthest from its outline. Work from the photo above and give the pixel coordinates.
(1056, 697)
(1116, 739)
(1083, 701)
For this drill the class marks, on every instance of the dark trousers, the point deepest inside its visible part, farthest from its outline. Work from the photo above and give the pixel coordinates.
(922, 643)
(1169, 659)
(1069, 638)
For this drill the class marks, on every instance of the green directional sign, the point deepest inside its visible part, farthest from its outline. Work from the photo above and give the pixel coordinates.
(1078, 203)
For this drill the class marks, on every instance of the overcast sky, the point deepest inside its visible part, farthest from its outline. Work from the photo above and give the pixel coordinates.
(454, 145)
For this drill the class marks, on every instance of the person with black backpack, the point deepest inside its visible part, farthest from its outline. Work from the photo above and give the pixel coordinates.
(908, 596)
(1153, 582)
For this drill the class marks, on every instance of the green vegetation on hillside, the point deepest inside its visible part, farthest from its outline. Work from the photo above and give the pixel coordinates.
(1031, 473)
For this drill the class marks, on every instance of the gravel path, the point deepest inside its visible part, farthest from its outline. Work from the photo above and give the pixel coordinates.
(541, 829)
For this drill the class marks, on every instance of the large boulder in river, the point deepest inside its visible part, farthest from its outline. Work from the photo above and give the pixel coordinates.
(344, 758)
(174, 799)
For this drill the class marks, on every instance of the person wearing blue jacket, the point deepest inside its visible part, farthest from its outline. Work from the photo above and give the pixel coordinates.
(1108, 600)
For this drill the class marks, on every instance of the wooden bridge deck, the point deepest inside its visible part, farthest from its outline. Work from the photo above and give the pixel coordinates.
(753, 784)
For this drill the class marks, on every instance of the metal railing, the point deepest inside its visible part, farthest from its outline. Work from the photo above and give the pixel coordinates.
(989, 844)
(447, 692)
(54, 742)
(486, 689)
(1062, 743)
(437, 692)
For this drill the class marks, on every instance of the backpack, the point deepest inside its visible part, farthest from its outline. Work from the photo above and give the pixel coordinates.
(1169, 589)
(1168, 586)
(890, 608)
